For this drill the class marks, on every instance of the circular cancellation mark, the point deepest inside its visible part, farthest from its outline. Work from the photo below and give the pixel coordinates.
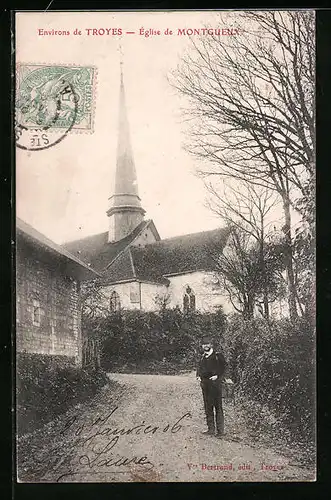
(48, 111)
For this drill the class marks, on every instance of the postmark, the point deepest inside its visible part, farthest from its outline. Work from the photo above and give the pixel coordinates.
(52, 101)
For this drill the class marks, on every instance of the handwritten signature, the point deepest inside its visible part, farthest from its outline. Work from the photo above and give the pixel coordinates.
(142, 462)
(94, 449)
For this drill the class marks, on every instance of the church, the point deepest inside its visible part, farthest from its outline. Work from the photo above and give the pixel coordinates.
(140, 270)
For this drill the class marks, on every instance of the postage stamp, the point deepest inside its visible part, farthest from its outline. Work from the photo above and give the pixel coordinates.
(52, 99)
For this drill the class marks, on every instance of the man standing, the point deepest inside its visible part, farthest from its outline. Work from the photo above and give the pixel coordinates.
(210, 371)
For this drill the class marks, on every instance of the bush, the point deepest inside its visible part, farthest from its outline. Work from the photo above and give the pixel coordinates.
(139, 338)
(48, 386)
(274, 368)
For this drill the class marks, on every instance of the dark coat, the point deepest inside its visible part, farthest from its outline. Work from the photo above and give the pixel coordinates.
(215, 364)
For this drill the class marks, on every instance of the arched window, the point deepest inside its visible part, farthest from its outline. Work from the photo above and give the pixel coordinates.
(188, 300)
(115, 303)
(186, 303)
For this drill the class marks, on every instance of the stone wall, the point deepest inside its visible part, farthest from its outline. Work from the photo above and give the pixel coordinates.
(47, 314)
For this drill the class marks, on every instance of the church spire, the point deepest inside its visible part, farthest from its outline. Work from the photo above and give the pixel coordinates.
(125, 211)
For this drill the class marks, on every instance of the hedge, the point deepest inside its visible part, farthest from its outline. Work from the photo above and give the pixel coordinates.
(47, 386)
(273, 365)
(138, 338)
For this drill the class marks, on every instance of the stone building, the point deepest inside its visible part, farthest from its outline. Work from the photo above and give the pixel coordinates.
(48, 318)
(138, 268)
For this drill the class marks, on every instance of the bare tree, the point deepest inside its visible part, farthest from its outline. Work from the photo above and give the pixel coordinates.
(162, 301)
(249, 208)
(241, 275)
(252, 108)
(94, 303)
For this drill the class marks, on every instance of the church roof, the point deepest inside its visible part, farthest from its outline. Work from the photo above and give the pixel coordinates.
(127, 267)
(121, 260)
(179, 255)
(97, 252)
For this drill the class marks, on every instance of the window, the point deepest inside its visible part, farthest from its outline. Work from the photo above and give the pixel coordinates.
(115, 303)
(36, 313)
(186, 303)
(188, 300)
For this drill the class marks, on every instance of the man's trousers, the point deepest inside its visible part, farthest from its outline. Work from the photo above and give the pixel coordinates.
(212, 398)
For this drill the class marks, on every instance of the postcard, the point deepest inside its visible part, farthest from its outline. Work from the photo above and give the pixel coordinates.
(165, 246)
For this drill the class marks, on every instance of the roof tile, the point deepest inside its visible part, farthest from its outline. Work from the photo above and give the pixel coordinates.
(97, 252)
(179, 255)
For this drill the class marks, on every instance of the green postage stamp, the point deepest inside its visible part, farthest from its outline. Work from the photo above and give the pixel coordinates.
(55, 97)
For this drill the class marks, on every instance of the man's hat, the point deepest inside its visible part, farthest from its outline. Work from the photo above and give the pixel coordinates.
(206, 339)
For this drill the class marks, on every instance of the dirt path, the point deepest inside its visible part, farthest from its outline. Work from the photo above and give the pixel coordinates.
(148, 429)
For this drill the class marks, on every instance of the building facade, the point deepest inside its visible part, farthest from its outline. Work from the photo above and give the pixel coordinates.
(48, 309)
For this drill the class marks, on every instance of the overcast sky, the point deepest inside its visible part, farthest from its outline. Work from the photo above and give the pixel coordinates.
(63, 191)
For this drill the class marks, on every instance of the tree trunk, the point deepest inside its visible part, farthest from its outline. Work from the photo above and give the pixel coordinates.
(264, 276)
(289, 261)
(266, 305)
(248, 311)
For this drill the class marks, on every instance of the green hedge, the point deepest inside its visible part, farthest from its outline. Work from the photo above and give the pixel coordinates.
(139, 340)
(47, 386)
(273, 365)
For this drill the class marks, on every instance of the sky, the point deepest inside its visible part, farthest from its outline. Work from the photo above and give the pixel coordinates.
(63, 191)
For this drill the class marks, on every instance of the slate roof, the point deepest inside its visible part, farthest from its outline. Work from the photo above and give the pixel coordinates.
(179, 255)
(122, 261)
(121, 269)
(34, 236)
(128, 267)
(96, 251)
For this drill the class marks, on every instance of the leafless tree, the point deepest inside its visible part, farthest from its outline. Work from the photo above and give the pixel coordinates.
(94, 303)
(251, 108)
(162, 301)
(249, 209)
(241, 275)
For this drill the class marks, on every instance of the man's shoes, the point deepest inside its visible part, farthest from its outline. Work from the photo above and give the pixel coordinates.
(208, 433)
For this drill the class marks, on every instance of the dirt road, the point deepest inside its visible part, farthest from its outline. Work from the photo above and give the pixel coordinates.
(148, 429)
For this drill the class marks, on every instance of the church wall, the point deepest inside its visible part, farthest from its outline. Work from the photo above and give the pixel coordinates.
(207, 295)
(149, 292)
(129, 295)
(134, 295)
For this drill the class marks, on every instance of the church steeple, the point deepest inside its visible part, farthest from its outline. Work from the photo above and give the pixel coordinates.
(125, 211)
